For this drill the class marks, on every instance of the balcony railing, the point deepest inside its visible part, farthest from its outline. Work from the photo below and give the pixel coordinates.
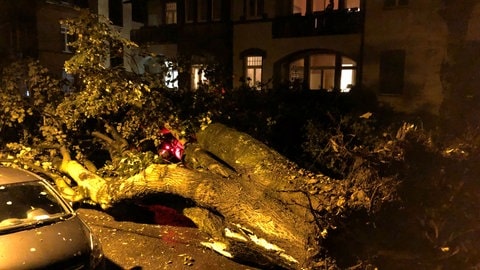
(319, 23)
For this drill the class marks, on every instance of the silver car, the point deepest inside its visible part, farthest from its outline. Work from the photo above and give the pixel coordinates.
(39, 229)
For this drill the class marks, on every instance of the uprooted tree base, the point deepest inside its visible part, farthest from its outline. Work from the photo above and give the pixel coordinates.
(256, 205)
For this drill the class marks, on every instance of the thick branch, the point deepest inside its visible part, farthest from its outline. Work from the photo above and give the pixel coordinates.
(237, 200)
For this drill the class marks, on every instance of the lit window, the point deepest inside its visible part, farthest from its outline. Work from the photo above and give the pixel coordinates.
(300, 6)
(198, 77)
(348, 75)
(67, 38)
(171, 75)
(325, 72)
(322, 72)
(254, 71)
(254, 8)
(352, 4)
(171, 13)
(323, 5)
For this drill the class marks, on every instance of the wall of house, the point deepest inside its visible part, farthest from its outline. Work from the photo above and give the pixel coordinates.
(259, 35)
(51, 42)
(420, 31)
(18, 37)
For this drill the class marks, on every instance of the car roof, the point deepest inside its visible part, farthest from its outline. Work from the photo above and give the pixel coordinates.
(10, 175)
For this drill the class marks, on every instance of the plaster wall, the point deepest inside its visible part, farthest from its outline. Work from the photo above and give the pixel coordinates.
(51, 42)
(419, 30)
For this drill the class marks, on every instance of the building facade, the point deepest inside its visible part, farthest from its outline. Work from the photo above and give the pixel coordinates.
(31, 28)
(316, 45)
(409, 53)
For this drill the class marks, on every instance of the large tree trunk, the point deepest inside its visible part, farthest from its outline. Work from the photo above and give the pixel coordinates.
(248, 197)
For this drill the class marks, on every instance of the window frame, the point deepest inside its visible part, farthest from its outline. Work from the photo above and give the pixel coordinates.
(253, 83)
(315, 6)
(256, 12)
(214, 12)
(392, 72)
(169, 19)
(115, 12)
(66, 39)
(336, 65)
(171, 74)
(202, 11)
(198, 76)
(190, 11)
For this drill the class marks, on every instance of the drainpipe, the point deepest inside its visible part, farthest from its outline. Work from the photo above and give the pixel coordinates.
(363, 7)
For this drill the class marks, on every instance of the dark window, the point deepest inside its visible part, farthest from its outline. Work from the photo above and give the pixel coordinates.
(202, 10)
(116, 56)
(139, 11)
(216, 10)
(115, 12)
(392, 69)
(81, 3)
(189, 10)
(254, 8)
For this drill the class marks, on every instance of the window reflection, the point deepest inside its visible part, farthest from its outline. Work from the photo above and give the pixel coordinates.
(26, 202)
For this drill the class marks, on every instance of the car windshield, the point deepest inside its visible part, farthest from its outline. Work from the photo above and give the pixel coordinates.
(29, 204)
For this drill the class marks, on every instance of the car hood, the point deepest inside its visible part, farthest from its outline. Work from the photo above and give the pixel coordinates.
(64, 244)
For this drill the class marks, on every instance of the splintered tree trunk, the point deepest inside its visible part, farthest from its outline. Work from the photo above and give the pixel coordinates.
(253, 200)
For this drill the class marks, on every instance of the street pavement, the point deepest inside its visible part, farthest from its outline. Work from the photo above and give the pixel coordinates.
(130, 245)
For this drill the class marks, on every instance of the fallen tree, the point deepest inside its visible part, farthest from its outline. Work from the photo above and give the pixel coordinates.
(257, 206)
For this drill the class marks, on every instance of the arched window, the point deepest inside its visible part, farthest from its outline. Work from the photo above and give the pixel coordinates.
(323, 71)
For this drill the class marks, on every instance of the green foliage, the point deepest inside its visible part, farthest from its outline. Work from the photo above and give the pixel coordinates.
(96, 41)
(131, 164)
(27, 92)
(138, 105)
(41, 116)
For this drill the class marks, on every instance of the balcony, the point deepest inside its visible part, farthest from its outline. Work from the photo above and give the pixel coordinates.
(336, 22)
(155, 34)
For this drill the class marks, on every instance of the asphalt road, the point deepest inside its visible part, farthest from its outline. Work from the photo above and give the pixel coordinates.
(130, 245)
